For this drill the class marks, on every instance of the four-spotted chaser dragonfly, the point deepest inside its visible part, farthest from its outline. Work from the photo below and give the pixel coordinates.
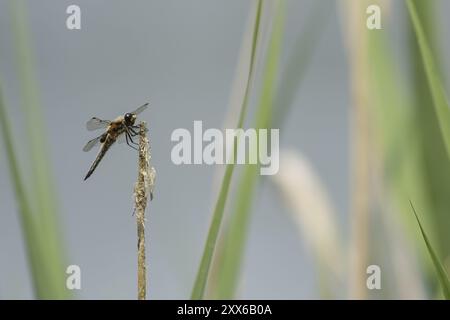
(123, 127)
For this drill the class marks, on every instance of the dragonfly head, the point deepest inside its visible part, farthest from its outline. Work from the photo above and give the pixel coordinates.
(130, 118)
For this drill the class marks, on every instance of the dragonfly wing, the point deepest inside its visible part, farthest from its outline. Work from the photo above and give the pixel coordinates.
(91, 144)
(140, 109)
(96, 123)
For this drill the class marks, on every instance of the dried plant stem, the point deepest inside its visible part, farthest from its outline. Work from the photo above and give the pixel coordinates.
(143, 188)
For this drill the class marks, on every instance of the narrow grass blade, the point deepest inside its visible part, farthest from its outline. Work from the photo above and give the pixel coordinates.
(289, 82)
(236, 234)
(442, 275)
(203, 271)
(437, 89)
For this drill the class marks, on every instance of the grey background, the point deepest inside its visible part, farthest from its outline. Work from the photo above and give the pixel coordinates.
(181, 56)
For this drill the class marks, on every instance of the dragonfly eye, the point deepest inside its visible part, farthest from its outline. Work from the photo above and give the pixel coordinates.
(128, 117)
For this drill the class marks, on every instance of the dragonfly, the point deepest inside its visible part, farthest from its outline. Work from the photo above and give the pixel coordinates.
(120, 129)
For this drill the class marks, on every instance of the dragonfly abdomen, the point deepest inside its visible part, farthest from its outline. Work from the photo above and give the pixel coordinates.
(109, 140)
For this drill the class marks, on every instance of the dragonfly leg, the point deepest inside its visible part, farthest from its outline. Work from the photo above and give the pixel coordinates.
(127, 137)
(133, 133)
(130, 137)
(138, 128)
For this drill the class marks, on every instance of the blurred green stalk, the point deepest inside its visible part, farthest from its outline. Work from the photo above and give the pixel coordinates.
(410, 148)
(38, 202)
(360, 160)
(299, 60)
(434, 122)
(288, 86)
(235, 237)
(205, 264)
(25, 214)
